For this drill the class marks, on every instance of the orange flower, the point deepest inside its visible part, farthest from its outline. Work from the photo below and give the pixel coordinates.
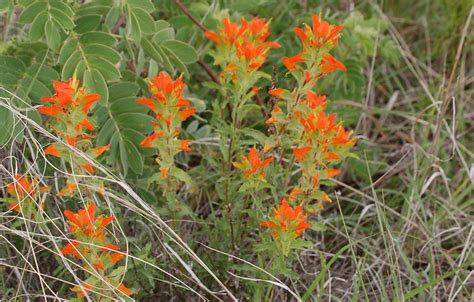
(148, 141)
(332, 156)
(212, 36)
(301, 153)
(186, 113)
(21, 187)
(287, 220)
(329, 64)
(51, 150)
(50, 110)
(148, 102)
(69, 108)
(314, 101)
(276, 91)
(82, 292)
(85, 222)
(290, 62)
(248, 39)
(99, 150)
(164, 88)
(184, 145)
(276, 109)
(72, 249)
(88, 167)
(319, 34)
(253, 165)
(164, 172)
(333, 172)
(294, 193)
(124, 290)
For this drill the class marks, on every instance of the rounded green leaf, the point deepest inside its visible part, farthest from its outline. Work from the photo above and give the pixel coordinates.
(37, 27)
(87, 23)
(31, 11)
(6, 124)
(61, 19)
(70, 65)
(106, 68)
(97, 37)
(103, 51)
(130, 156)
(147, 25)
(53, 37)
(164, 35)
(185, 52)
(95, 83)
(123, 89)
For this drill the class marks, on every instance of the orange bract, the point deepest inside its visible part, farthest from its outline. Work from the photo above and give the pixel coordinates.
(252, 165)
(70, 106)
(85, 223)
(170, 108)
(248, 40)
(287, 220)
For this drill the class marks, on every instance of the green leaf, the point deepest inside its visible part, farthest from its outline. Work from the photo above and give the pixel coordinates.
(134, 26)
(151, 50)
(37, 27)
(131, 157)
(87, 23)
(127, 104)
(62, 6)
(53, 38)
(146, 5)
(68, 48)
(70, 65)
(122, 90)
(107, 69)
(104, 51)
(147, 25)
(106, 132)
(164, 35)
(31, 11)
(95, 83)
(97, 37)
(6, 124)
(186, 53)
(61, 19)
(161, 24)
(176, 61)
(138, 121)
(112, 17)
(181, 175)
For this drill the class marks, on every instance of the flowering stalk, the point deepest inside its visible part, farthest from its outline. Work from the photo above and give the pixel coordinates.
(241, 50)
(69, 110)
(170, 109)
(317, 141)
(25, 196)
(97, 255)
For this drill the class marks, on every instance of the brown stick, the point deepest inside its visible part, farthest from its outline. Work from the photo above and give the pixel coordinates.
(190, 16)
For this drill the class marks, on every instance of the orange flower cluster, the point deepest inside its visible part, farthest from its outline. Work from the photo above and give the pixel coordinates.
(252, 165)
(317, 41)
(287, 220)
(242, 47)
(23, 195)
(69, 108)
(171, 110)
(91, 247)
(316, 139)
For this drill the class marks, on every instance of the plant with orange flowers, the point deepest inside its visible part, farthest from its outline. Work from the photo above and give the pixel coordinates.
(26, 197)
(69, 110)
(96, 254)
(170, 109)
